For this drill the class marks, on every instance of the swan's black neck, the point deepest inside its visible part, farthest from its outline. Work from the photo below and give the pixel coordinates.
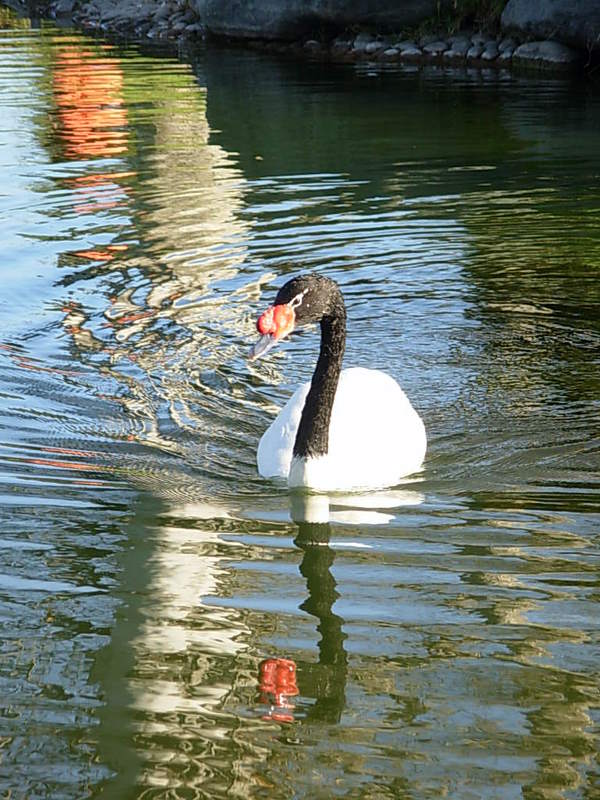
(312, 438)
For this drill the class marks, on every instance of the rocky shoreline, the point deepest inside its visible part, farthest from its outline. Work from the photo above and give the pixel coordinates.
(466, 47)
(175, 22)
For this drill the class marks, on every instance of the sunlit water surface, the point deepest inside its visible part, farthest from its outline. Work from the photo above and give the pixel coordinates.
(442, 640)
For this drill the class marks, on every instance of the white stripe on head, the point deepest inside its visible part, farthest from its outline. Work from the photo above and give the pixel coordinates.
(297, 299)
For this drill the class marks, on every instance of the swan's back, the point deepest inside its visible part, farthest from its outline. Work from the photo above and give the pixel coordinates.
(375, 436)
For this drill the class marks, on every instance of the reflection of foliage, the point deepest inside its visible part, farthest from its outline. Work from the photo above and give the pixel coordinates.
(480, 13)
(456, 15)
(10, 20)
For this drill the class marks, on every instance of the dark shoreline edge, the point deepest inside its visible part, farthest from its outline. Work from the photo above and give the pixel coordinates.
(175, 25)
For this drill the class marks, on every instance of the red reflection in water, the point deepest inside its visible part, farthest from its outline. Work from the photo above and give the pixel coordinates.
(81, 466)
(277, 685)
(108, 253)
(29, 363)
(88, 93)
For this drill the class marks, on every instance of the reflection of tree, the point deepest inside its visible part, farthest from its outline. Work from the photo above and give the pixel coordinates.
(155, 206)
(9, 20)
(172, 661)
(534, 261)
(562, 726)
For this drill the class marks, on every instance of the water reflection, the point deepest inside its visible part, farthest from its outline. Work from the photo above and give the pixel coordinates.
(160, 303)
(89, 96)
(324, 681)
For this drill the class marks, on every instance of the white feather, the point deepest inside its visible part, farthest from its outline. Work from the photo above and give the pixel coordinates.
(375, 437)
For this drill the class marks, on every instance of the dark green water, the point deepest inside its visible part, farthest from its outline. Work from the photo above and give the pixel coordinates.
(445, 636)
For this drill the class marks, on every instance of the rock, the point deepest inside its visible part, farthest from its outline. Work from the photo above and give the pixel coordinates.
(190, 16)
(458, 49)
(373, 47)
(507, 44)
(340, 46)
(435, 48)
(428, 38)
(406, 44)
(294, 19)
(475, 51)
(163, 11)
(361, 42)
(390, 54)
(64, 7)
(312, 46)
(411, 52)
(460, 41)
(575, 22)
(142, 27)
(505, 55)
(490, 51)
(363, 39)
(546, 54)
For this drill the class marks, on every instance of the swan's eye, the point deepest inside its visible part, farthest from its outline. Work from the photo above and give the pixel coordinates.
(295, 301)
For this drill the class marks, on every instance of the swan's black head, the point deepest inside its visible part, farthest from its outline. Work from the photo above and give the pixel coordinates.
(303, 300)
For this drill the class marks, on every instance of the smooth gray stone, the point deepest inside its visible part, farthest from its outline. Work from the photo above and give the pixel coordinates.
(435, 48)
(490, 52)
(547, 53)
(293, 19)
(506, 55)
(475, 51)
(575, 22)
(406, 43)
(507, 44)
(458, 49)
(411, 52)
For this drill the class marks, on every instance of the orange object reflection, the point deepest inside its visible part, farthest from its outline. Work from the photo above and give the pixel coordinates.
(92, 122)
(277, 685)
(88, 93)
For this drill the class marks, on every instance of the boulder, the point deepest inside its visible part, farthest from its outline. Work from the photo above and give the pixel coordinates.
(435, 48)
(507, 44)
(490, 51)
(293, 19)
(546, 54)
(575, 22)
(458, 49)
(411, 51)
(475, 51)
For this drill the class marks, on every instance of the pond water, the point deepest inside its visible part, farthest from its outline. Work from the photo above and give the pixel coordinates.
(438, 640)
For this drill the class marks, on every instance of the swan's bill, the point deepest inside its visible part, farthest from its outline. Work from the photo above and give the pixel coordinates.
(264, 344)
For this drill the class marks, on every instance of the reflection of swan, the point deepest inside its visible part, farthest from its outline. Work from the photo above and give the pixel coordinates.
(347, 430)
(353, 509)
(325, 681)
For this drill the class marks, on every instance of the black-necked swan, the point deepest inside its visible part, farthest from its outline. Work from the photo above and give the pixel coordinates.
(347, 429)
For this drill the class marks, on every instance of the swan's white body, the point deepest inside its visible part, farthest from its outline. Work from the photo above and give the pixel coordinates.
(375, 437)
